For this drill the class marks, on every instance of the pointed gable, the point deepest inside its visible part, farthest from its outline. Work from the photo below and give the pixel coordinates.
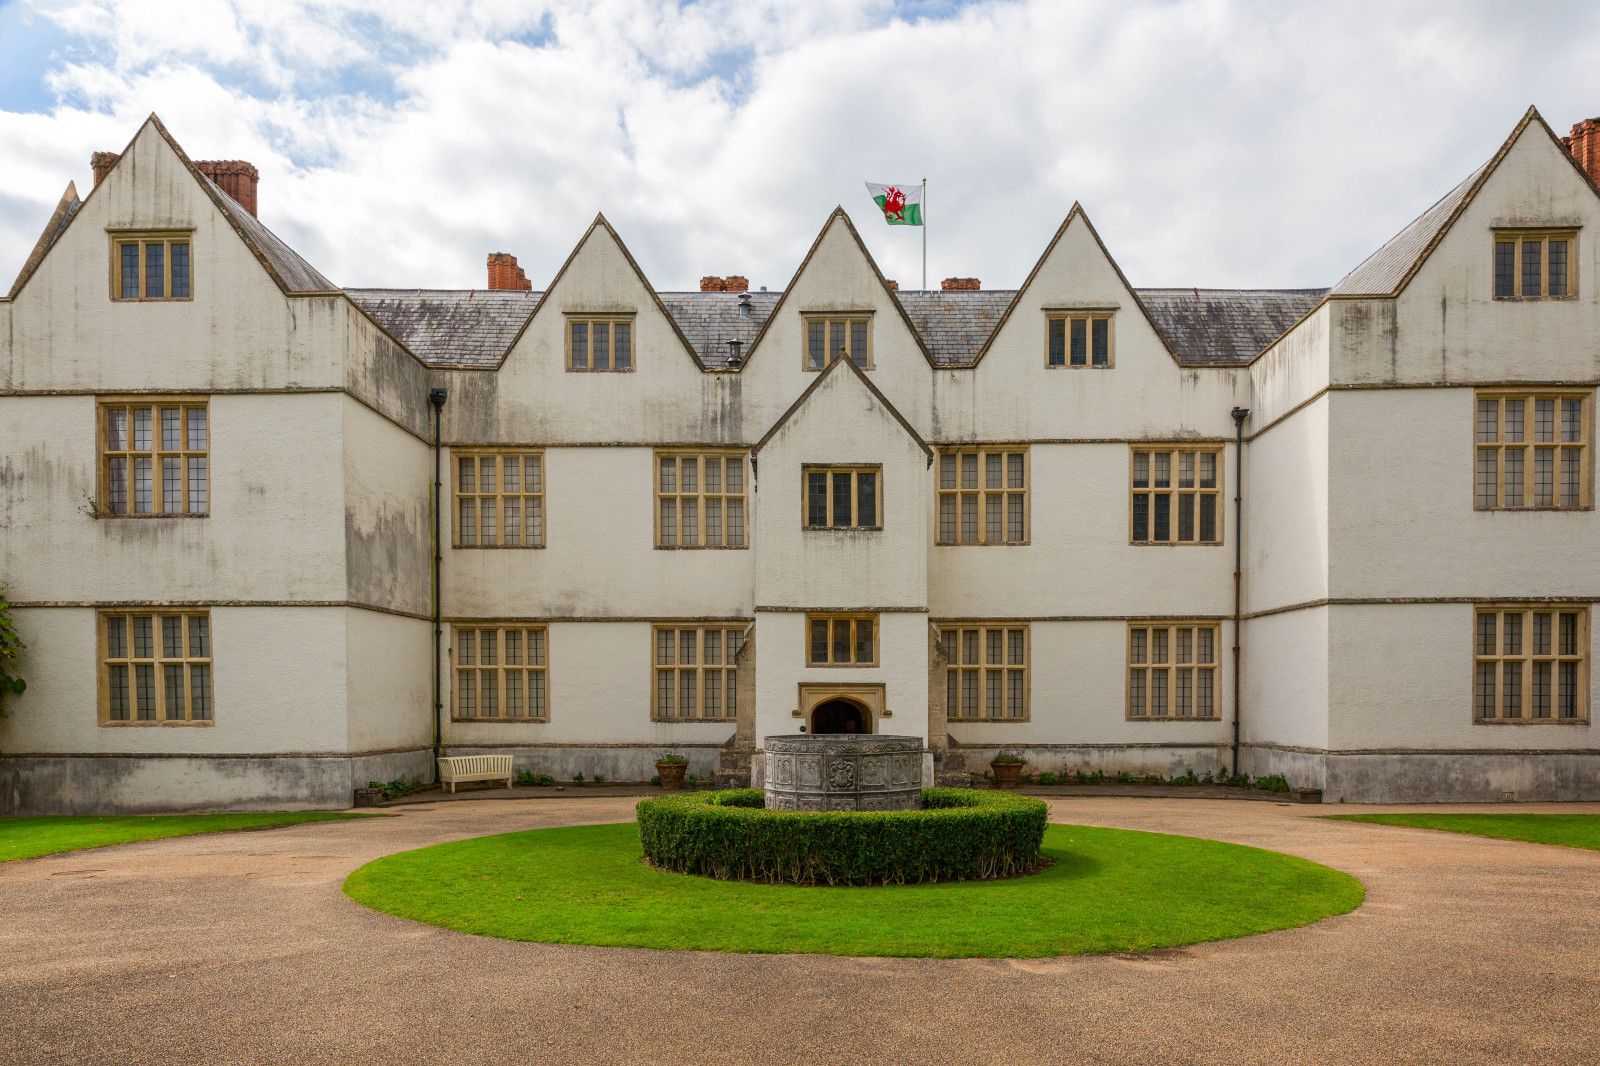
(1076, 271)
(834, 377)
(601, 275)
(66, 207)
(1387, 271)
(840, 256)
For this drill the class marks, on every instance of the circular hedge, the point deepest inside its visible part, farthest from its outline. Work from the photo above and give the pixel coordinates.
(959, 835)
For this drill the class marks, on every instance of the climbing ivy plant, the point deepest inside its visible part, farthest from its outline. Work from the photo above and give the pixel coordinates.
(11, 682)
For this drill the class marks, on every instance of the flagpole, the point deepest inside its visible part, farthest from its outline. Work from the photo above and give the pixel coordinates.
(924, 234)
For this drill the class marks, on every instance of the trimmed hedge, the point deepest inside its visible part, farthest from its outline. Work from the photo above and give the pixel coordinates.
(959, 835)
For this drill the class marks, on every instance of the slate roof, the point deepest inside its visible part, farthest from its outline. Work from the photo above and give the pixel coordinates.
(955, 325)
(444, 327)
(711, 319)
(1381, 273)
(1225, 326)
(297, 275)
(473, 328)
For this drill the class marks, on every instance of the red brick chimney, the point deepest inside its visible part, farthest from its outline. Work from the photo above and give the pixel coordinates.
(894, 286)
(960, 285)
(710, 283)
(1584, 144)
(505, 275)
(102, 162)
(735, 283)
(233, 176)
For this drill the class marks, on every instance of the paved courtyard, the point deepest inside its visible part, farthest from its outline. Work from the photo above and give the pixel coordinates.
(241, 948)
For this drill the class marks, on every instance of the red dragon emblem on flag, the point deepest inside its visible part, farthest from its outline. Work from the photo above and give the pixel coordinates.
(894, 204)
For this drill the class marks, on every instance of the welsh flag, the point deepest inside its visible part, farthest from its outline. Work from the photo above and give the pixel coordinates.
(901, 204)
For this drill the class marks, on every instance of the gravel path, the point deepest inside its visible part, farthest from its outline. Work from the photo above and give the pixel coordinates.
(241, 948)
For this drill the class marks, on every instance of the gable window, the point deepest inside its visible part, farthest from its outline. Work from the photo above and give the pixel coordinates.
(986, 671)
(151, 266)
(1535, 264)
(154, 457)
(155, 668)
(828, 336)
(983, 495)
(1176, 495)
(1078, 338)
(1530, 663)
(499, 499)
(844, 497)
(1172, 670)
(1532, 451)
(696, 672)
(841, 640)
(700, 499)
(600, 342)
(501, 673)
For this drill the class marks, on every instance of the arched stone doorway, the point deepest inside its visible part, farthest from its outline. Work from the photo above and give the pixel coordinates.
(840, 716)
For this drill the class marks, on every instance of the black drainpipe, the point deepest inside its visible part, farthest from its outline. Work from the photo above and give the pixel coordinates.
(437, 397)
(1239, 415)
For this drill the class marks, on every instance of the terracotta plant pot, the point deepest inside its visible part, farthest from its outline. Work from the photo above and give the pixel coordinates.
(672, 773)
(1006, 774)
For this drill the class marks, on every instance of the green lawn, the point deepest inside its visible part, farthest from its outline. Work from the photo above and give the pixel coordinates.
(1571, 830)
(28, 838)
(1109, 890)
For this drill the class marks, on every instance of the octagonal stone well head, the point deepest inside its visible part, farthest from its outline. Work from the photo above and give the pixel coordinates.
(843, 772)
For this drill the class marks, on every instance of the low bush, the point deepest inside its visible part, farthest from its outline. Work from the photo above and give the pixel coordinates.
(959, 835)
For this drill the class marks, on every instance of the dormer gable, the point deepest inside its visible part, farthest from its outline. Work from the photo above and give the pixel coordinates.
(1534, 170)
(836, 288)
(1073, 304)
(600, 284)
(831, 388)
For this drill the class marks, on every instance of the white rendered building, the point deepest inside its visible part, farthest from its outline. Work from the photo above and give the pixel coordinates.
(686, 521)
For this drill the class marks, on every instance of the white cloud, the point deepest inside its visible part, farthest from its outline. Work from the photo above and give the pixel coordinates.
(1213, 143)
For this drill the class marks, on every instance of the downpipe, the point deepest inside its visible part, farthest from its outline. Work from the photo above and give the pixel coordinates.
(437, 397)
(1239, 415)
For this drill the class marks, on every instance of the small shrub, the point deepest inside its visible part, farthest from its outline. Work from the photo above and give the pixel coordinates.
(11, 682)
(960, 834)
(655, 779)
(1273, 783)
(1124, 777)
(392, 789)
(1186, 778)
(543, 780)
(577, 778)
(1048, 778)
(599, 779)
(671, 759)
(692, 780)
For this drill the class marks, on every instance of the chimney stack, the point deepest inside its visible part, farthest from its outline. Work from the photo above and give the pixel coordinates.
(1584, 144)
(710, 283)
(960, 285)
(505, 275)
(233, 176)
(894, 286)
(735, 283)
(102, 162)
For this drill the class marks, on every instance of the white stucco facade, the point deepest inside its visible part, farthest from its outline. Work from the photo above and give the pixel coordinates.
(1363, 561)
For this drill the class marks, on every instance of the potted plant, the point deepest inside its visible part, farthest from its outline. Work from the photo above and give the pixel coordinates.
(1007, 767)
(671, 769)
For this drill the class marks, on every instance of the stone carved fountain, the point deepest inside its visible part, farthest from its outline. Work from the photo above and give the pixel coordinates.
(843, 772)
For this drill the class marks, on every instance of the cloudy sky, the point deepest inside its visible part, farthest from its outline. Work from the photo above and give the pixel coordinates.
(1214, 143)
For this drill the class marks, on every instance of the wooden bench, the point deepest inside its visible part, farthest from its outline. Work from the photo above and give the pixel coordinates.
(454, 769)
